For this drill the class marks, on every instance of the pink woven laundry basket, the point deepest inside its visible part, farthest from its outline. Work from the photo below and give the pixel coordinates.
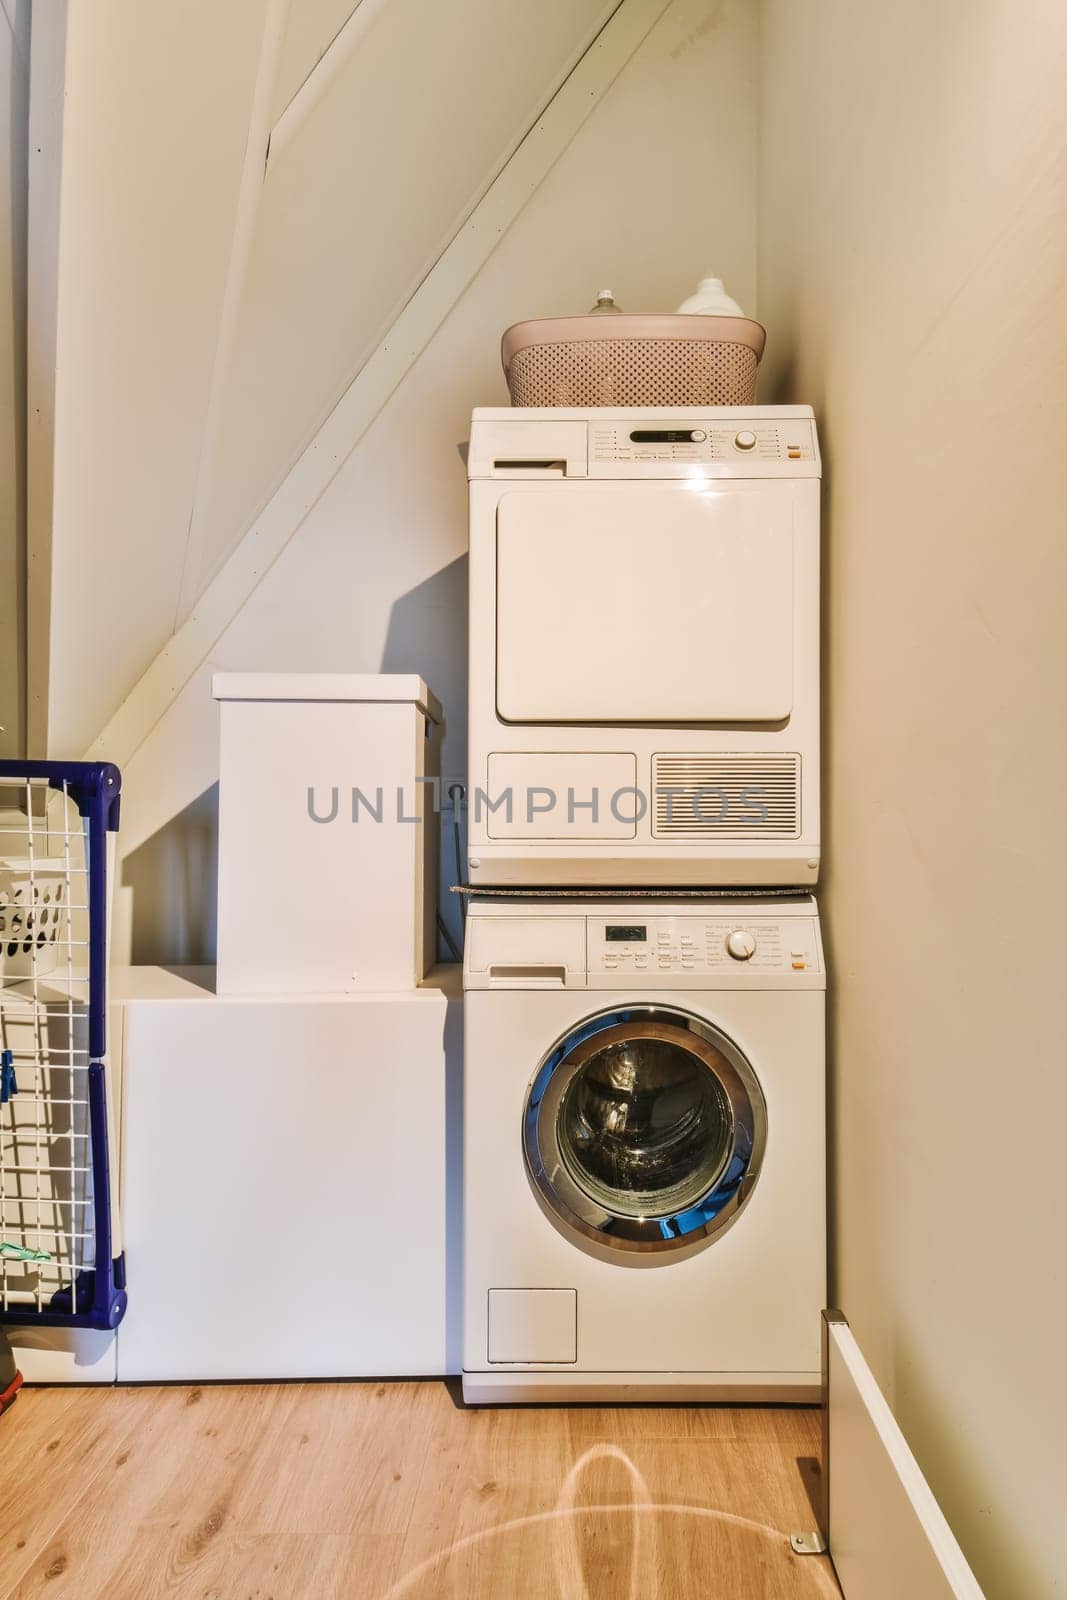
(633, 361)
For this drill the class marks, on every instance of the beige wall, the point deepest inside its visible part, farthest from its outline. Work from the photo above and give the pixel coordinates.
(14, 112)
(913, 274)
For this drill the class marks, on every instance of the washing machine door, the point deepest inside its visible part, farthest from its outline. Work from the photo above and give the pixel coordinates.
(645, 1129)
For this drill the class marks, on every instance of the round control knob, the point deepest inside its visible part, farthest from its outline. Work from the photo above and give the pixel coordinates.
(745, 440)
(698, 435)
(741, 944)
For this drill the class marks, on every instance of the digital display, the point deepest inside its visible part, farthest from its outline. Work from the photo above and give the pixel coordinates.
(623, 932)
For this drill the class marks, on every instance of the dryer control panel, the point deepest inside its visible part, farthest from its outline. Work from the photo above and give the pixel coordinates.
(607, 442)
(703, 440)
(682, 945)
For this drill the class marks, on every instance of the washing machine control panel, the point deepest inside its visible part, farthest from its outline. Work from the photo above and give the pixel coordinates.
(672, 946)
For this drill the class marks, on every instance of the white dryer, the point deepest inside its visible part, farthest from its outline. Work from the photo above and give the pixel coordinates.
(644, 1150)
(644, 647)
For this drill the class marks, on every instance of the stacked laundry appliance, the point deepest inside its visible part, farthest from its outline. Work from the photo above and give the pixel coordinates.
(644, 1155)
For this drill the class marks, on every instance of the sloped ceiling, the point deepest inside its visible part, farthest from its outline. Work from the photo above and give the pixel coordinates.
(248, 199)
(143, 134)
(381, 151)
(250, 194)
(311, 26)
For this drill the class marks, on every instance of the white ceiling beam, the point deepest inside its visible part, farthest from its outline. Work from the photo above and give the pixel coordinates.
(323, 73)
(284, 513)
(244, 229)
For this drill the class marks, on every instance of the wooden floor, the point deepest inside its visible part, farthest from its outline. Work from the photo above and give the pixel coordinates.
(378, 1491)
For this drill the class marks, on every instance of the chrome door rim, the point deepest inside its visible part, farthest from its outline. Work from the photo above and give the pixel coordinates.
(733, 1182)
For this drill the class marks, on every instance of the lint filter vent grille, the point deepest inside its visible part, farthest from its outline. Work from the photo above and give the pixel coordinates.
(726, 796)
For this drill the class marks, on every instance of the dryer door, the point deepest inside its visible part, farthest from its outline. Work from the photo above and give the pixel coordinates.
(645, 1129)
(638, 602)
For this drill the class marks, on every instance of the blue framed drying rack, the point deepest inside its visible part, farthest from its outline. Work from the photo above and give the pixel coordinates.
(60, 1264)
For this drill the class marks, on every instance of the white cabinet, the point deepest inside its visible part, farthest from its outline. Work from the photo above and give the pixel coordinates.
(286, 1208)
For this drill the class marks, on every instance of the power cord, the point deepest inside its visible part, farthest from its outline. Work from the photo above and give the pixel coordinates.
(455, 789)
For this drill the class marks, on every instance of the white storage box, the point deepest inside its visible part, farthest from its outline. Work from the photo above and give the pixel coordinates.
(328, 832)
(286, 1182)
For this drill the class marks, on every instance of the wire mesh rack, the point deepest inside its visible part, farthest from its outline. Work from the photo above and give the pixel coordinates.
(60, 1262)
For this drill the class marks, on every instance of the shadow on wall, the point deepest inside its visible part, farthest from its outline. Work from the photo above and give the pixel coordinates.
(427, 635)
(175, 881)
(174, 874)
(427, 631)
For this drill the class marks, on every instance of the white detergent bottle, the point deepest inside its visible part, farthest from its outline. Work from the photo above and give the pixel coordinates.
(711, 300)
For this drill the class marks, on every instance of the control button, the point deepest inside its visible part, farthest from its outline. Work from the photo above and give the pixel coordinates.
(741, 944)
(799, 966)
(698, 435)
(745, 440)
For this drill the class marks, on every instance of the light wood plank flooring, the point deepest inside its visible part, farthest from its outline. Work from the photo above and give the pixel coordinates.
(392, 1491)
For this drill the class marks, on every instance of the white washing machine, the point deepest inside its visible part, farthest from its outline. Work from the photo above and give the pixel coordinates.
(644, 647)
(644, 1150)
